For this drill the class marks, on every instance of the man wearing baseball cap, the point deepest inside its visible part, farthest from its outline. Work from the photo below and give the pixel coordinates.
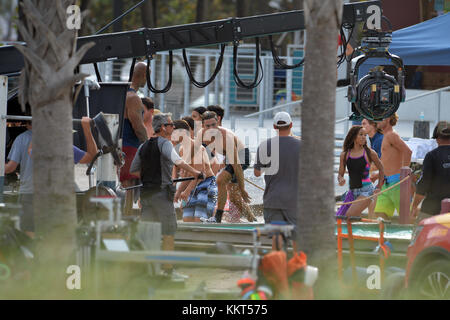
(278, 159)
(434, 184)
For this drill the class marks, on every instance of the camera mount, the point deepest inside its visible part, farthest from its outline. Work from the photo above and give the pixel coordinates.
(377, 95)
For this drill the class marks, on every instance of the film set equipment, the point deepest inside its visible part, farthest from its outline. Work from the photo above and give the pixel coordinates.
(377, 95)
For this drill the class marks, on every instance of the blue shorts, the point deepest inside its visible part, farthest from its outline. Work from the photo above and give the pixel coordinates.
(197, 212)
(365, 191)
(202, 200)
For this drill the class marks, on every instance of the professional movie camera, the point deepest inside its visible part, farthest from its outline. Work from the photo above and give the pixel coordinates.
(377, 95)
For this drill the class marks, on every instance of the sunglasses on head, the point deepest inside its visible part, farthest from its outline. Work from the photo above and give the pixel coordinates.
(169, 124)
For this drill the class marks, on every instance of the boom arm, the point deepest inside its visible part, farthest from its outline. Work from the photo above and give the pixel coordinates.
(146, 41)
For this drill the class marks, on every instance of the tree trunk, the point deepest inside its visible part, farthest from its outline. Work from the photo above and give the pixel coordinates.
(316, 178)
(201, 10)
(298, 4)
(155, 12)
(147, 15)
(84, 26)
(46, 83)
(241, 8)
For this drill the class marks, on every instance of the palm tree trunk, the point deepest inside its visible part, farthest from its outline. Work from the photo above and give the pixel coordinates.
(147, 15)
(201, 10)
(316, 183)
(241, 8)
(46, 83)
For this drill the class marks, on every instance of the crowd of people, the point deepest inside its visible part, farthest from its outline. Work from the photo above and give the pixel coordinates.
(208, 161)
(379, 144)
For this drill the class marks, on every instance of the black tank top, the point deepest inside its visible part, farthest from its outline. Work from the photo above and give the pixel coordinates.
(358, 171)
(150, 164)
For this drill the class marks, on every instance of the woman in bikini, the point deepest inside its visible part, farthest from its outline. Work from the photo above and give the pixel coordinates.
(357, 158)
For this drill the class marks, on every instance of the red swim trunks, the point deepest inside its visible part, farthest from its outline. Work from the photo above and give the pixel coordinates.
(130, 152)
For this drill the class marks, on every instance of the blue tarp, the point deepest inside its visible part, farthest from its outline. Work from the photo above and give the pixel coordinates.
(423, 44)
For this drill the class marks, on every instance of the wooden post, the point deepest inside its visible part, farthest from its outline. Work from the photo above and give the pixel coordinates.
(445, 206)
(405, 196)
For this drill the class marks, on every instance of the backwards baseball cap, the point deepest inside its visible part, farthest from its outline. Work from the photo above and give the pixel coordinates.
(282, 119)
(442, 130)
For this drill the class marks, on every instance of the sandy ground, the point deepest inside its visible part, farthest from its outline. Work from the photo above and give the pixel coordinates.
(214, 278)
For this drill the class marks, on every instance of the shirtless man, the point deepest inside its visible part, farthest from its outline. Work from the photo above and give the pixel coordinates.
(376, 139)
(199, 198)
(395, 154)
(134, 131)
(223, 142)
(148, 115)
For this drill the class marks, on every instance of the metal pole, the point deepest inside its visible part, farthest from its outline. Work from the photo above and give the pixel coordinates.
(3, 111)
(216, 85)
(261, 102)
(347, 125)
(163, 81)
(439, 106)
(86, 94)
(152, 76)
(289, 83)
(206, 77)
(226, 86)
(405, 195)
(186, 93)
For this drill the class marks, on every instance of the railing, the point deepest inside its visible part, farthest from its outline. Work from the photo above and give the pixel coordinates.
(427, 93)
(273, 108)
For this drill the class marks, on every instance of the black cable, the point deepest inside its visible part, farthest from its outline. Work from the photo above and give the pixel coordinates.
(259, 68)
(216, 71)
(120, 17)
(132, 70)
(343, 46)
(344, 43)
(169, 82)
(91, 164)
(97, 73)
(278, 61)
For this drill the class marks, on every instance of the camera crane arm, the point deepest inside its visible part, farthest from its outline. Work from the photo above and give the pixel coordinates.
(145, 42)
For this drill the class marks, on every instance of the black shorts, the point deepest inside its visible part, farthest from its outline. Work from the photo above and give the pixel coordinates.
(244, 160)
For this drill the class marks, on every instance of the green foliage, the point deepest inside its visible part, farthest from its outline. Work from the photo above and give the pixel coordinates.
(176, 12)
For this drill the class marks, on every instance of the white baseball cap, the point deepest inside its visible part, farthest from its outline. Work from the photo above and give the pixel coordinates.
(282, 119)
